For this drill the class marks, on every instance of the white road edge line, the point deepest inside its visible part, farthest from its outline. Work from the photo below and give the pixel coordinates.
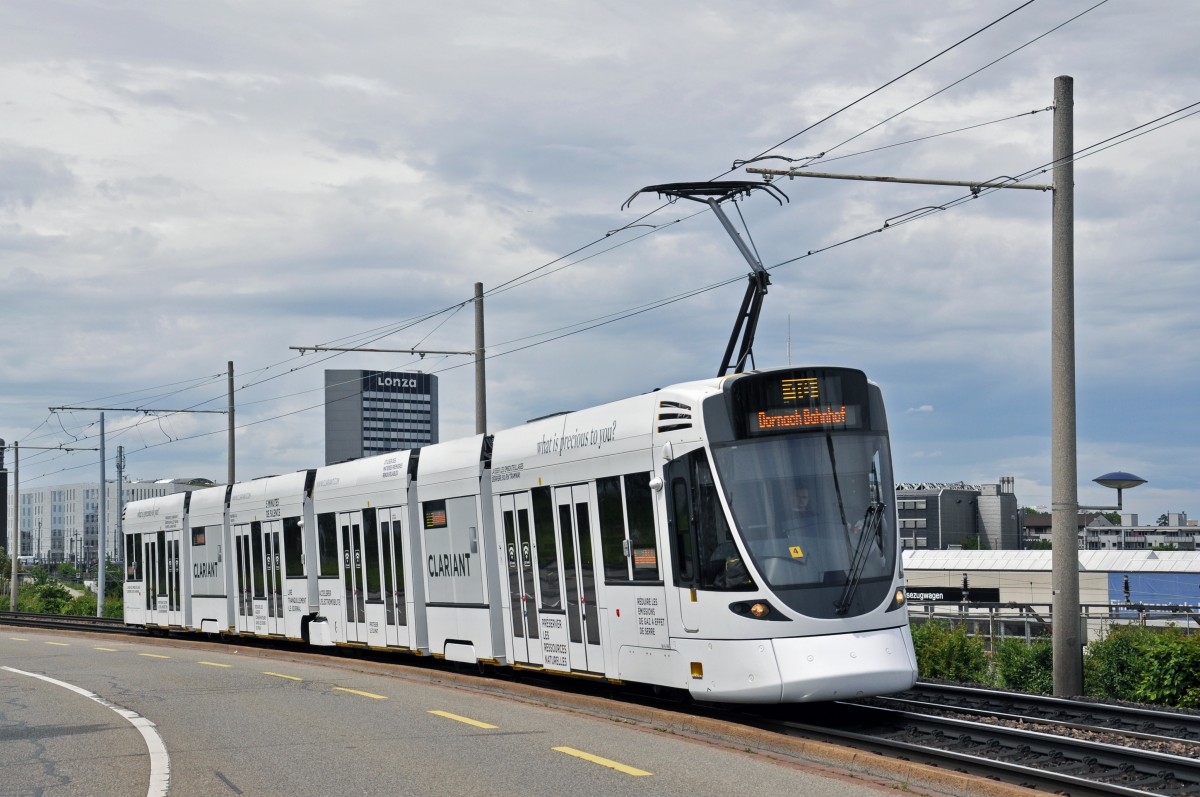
(160, 761)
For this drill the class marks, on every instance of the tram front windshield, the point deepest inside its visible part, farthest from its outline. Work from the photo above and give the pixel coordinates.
(805, 507)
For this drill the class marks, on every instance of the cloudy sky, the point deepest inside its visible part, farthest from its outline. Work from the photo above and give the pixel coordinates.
(187, 184)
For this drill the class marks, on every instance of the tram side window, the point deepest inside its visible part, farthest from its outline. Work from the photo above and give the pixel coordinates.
(681, 514)
(703, 549)
(133, 557)
(612, 528)
(331, 566)
(371, 555)
(543, 529)
(256, 559)
(161, 545)
(643, 543)
(627, 525)
(293, 547)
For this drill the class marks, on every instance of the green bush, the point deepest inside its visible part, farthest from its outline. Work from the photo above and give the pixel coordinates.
(53, 598)
(1170, 669)
(947, 653)
(1028, 667)
(1112, 664)
(113, 607)
(82, 605)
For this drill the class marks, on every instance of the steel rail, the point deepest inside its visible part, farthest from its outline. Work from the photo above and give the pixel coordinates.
(1140, 722)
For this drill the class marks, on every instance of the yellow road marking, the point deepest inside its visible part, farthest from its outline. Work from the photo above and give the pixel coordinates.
(18, 639)
(109, 650)
(467, 720)
(59, 644)
(153, 656)
(357, 692)
(289, 677)
(214, 664)
(604, 762)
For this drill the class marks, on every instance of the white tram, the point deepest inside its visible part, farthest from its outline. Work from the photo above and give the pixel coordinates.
(663, 539)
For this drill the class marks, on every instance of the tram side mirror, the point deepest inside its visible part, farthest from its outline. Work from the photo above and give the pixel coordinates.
(668, 453)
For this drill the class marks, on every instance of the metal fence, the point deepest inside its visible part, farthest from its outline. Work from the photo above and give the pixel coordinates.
(993, 622)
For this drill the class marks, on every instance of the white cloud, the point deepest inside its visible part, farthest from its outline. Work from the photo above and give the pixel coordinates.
(182, 187)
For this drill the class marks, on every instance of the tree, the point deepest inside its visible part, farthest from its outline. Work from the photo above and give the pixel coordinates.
(1163, 519)
(1113, 517)
(1041, 545)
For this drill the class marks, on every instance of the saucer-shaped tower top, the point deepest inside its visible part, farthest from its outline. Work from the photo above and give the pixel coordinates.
(1119, 480)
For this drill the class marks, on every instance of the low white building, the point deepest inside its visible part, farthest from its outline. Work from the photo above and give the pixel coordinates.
(1122, 585)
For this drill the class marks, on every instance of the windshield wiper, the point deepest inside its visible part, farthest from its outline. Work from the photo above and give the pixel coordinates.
(871, 524)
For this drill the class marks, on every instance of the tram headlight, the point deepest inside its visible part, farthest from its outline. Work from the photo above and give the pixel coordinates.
(898, 600)
(757, 610)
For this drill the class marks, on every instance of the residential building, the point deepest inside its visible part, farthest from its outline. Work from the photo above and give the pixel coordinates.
(1095, 532)
(61, 523)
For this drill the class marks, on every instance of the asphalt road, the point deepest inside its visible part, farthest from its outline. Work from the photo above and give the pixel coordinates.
(244, 722)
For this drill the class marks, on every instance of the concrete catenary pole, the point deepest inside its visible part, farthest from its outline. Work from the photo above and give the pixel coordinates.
(14, 532)
(231, 424)
(3, 499)
(1067, 643)
(121, 505)
(480, 383)
(102, 542)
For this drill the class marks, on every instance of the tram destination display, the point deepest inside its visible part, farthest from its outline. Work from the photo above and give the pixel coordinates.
(815, 400)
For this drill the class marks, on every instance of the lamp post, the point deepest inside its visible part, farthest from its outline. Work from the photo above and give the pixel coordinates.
(1118, 480)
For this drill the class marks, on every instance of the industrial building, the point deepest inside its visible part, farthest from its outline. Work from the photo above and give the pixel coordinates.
(947, 516)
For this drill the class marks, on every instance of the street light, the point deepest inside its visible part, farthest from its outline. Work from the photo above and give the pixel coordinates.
(1118, 480)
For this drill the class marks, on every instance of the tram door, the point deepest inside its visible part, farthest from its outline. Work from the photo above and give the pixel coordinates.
(522, 584)
(583, 615)
(358, 541)
(391, 543)
(163, 595)
(174, 580)
(272, 540)
(259, 578)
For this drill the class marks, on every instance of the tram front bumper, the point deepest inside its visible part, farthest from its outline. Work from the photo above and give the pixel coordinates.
(845, 666)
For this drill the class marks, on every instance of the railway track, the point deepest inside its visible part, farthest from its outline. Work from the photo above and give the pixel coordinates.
(1017, 753)
(1063, 746)
(1145, 725)
(67, 622)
